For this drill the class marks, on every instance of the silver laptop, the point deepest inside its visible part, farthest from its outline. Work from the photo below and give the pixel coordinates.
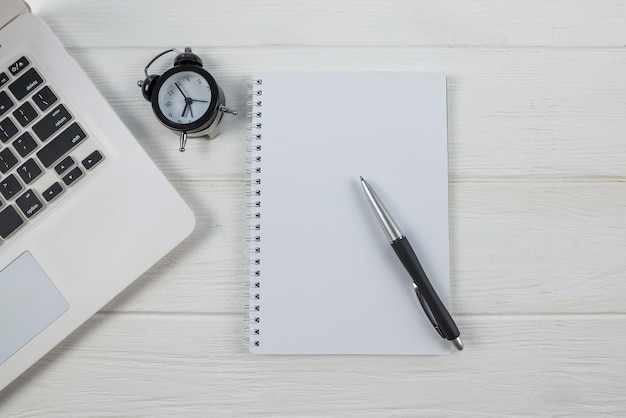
(83, 210)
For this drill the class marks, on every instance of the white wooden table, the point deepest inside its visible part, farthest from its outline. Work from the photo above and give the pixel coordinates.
(537, 139)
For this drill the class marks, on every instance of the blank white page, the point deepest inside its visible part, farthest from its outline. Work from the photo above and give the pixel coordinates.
(330, 283)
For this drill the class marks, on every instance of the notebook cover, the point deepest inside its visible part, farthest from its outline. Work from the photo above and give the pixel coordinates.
(325, 279)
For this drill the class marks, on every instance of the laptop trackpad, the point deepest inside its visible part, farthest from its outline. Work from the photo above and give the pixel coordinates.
(29, 302)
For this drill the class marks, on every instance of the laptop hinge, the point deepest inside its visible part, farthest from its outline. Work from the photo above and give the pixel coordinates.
(10, 9)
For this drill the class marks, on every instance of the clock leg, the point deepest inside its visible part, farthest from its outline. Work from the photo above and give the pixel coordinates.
(183, 141)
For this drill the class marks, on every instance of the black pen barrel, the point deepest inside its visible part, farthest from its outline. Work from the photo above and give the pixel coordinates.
(407, 256)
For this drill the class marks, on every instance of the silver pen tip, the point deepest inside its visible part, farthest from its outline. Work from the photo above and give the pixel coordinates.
(458, 343)
(361, 177)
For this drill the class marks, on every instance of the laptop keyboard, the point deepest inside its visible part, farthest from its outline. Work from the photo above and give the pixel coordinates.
(44, 148)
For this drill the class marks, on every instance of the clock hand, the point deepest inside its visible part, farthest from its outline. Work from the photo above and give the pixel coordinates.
(200, 101)
(180, 90)
(188, 102)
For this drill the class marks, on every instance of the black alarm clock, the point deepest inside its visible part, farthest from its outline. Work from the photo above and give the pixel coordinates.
(185, 98)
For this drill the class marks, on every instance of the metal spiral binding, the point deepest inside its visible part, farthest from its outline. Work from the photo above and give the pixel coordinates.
(253, 330)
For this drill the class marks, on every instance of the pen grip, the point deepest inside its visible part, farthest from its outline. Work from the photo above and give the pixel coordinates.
(407, 256)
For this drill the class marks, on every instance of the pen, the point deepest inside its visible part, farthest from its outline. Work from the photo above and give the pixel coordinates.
(428, 298)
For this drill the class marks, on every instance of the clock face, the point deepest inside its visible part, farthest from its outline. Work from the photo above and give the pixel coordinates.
(184, 97)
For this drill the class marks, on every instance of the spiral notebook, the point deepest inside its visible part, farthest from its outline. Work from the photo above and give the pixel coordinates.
(324, 278)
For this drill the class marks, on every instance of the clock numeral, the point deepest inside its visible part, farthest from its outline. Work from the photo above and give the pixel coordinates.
(168, 104)
(199, 81)
(170, 115)
(170, 92)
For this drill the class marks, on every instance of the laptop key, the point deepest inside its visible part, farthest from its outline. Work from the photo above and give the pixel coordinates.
(26, 84)
(72, 176)
(4, 78)
(10, 221)
(62, 167)
(25, 144)
(5, 103)
(29, 171)
(25, 114)
(8, 160)
(29, 204)
(7, 130)
(52, 192)
(61, 145)
(44, 98)
(19, 65)
(52, 122)
(10, 187)
(92, 159)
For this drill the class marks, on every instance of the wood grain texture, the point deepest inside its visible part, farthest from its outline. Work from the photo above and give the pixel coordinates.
(512, 114)
(537, 99)
(155, 365)
(516, 248)
(455, 23)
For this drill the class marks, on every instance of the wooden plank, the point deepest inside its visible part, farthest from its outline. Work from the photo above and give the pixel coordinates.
(338, 22)
(538, 248)
(138, 365)
(515, 248)
(512, 114)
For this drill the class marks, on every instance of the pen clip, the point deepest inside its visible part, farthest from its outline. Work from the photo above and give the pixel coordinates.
(427, 311)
